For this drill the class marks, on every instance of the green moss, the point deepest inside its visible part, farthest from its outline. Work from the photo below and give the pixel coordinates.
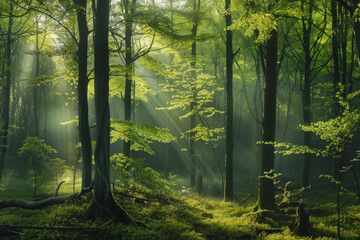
(189, 217)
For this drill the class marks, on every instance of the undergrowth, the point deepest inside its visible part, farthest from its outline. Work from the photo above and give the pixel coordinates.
(186, 216)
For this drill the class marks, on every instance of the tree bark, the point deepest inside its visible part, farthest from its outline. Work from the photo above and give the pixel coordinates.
(335, 54)
(266, 194)
(103, 204)
(192, 152)
(35, 88)
(229, 147)
(306, 94)
(129, 10)
(6, 95)
(83, 109)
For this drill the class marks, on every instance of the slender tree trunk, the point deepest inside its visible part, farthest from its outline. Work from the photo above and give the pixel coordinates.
(229, 145)
(266, 193)
(35, 182)
(335, 53)
(45, 111)
(129, 10)
(356, 26)
(6, 96)
(84, 130)
(35, 88)
(168, 161)
(344, 40)
(306, 95)
(192, 151)
(103, 204)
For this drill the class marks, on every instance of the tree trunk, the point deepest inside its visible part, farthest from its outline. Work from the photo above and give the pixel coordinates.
(35, 88)
(335, 54)
(343, 40)
(6, 94)
(266, 195)
(129, 9)
(84, 130)
(306, 95)
(45, 111)
(103, 203)
(196, 7)
(229, 147)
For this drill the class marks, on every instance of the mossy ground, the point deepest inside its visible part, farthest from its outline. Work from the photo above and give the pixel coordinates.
(183, 216)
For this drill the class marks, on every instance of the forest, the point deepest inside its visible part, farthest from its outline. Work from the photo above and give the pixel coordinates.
(180, 119)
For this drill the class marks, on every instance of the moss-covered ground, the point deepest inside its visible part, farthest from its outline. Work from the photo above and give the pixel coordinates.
(181, 216)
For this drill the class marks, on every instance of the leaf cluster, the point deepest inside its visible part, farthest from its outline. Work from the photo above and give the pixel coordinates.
(139, 134)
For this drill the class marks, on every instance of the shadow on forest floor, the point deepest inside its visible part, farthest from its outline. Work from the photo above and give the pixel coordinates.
(182, 216)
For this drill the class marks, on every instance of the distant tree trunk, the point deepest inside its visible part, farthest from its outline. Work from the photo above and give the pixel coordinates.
(266, 193)
(192, 152)
(229, 147)
(37, 73)
(6, 95)
(129, 10)
(168, 161)
(335, 54)
(103, 203)
(83, 109)
(45, 111)
(306, 94)
(343, 40)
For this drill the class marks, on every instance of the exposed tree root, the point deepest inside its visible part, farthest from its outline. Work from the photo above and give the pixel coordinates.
(111, 211)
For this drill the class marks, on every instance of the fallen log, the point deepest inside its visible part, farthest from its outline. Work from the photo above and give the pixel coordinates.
(44, 203)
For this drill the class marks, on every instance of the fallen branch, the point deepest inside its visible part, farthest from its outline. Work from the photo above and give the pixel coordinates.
(44, 203)
(247, 198)
(58, 188)
(48, 227)
(10, 212)
(250, 195)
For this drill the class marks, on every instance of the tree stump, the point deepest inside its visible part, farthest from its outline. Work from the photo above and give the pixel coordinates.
(302, 220)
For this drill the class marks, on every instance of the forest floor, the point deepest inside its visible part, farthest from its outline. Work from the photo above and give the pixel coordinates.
(182, 215)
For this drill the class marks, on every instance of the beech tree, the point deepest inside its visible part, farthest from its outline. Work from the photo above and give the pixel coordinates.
(103, 203)
(84, 130)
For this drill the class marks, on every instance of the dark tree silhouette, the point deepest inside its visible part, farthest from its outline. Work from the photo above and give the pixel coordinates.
(103, 203)
(229, 106)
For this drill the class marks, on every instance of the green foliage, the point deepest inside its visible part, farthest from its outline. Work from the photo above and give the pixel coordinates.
(336, 132)
(140, 134)
(140, 172)
(272, 175)
(38, 154)
(261, 18)
(205, 134)
(36, 151)
(188, 95)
